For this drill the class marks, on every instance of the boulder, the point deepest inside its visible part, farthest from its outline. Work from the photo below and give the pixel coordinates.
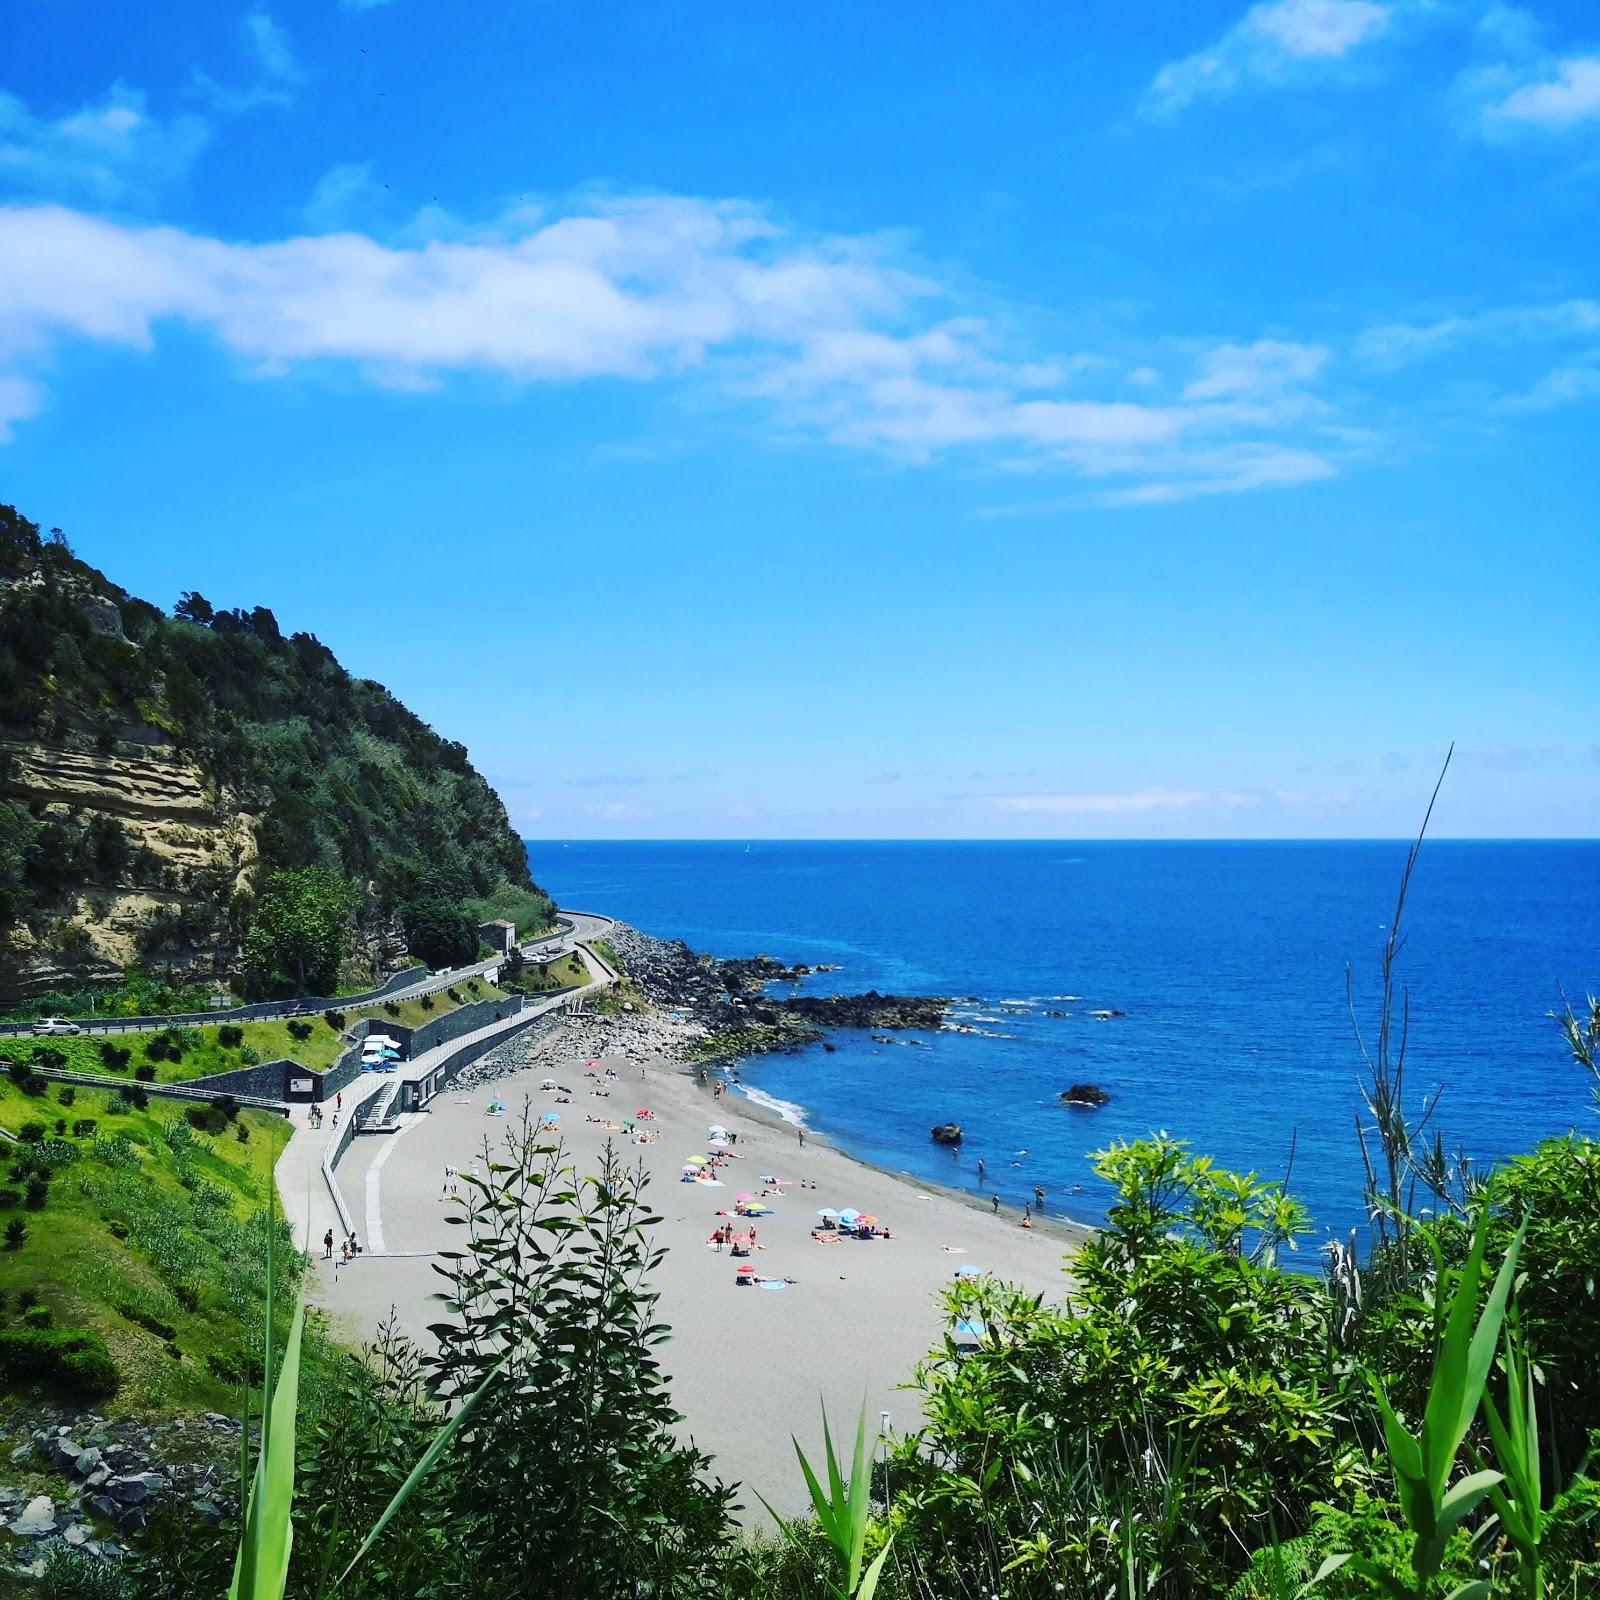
(64, 1452)
(1086, 1096)
(88, 1461)
(947, 1133)
(37, 1520)
(104, 1506)
(137, 1487)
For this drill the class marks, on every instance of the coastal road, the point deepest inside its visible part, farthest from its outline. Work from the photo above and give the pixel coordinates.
(576, 926)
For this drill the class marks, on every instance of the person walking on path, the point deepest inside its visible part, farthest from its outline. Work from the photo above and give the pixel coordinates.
(338, 1101)
(327, 1245)
(994, 1200)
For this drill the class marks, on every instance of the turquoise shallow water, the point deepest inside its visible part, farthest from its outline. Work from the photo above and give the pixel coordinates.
(1228, 961)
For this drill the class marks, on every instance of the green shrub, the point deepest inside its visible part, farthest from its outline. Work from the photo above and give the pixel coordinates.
(117, 1228)
(16, 1233)
(208, 1119)
(147, 1321)
(303, 1030)
(145, 1074)
(38, 1193)
(241, 1133)
(10, 1199)
(426, 1002)
(187, 1296)
(38, 1317)
(114, 1057)
(250, 1057)
(31, 1133)
(334, 1019)
(227, 1105)
(155, 1048)
(61, 1126)
(67, 1094)
(83, 1128)
(26, 1298)
(230, 1036)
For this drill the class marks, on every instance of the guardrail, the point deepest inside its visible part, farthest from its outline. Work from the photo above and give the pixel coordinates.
(270, 1010)
(172, 1091)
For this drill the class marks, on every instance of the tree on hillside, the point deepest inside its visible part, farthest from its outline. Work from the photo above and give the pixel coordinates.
(441, 932)
(301, 932)
(193, 606)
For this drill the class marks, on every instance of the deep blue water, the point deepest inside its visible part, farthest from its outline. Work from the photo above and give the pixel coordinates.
(1228, 960)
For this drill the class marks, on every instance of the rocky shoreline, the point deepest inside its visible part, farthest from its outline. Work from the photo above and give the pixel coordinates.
(702, 1009)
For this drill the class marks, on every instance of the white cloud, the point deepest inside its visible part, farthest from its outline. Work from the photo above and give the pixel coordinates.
(1519, 331)
(1270, 44)
(104, 151)
(277, 71)
(19, 400)
(617, 811)
(1267, 366)
(1119, 801)
(834, 337)
(340, 191)
(1569, 95)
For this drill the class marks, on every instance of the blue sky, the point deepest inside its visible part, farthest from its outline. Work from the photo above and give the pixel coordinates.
(1122, 419)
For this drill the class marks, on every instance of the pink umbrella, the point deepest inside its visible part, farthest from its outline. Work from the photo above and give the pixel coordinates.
(744, 1199)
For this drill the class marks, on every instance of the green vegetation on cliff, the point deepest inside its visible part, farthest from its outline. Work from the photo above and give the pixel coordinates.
(110, 706)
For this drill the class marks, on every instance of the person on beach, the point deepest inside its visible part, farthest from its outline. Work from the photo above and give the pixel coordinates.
(327, 1245)
(801, 1133)
(1027, 1216)
(980, 1169)
(994, 1200)
(347, 1250)
(1038, 1197)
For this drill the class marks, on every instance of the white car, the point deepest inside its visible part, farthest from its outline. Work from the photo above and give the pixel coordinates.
(56, 1026)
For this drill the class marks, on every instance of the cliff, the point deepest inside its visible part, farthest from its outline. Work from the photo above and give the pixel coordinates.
(155, 769)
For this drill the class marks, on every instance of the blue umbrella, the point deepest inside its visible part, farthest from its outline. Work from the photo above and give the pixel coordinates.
(967, 1270)
(967, 1332)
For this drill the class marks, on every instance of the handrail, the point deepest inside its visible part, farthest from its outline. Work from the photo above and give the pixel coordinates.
(271, 1010)
(173, 1091)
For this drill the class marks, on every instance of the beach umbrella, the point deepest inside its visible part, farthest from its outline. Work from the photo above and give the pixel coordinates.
(715, 1129)
(714, 1143)
(756, 1210)
(849, 1215)
(745, 1199)
(867, 1221)
(828, 1211)
(695, 1161)
(967, 1270)
(967, 1332)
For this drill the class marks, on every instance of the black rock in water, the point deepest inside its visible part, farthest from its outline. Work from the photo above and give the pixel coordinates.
(1085, 1095)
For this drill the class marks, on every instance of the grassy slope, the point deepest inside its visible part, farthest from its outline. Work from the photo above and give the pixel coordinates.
(269, 1040)
(78, 1266)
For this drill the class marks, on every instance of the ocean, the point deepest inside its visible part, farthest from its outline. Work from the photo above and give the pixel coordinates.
(1227, 961)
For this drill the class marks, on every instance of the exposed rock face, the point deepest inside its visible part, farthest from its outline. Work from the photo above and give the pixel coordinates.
(169, 856)
(947, 1133)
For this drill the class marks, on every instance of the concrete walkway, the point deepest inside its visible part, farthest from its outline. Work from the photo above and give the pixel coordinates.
(303, 1188)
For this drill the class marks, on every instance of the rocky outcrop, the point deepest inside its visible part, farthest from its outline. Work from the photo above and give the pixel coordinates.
(947, 1133)
(869, 1010)
(1086, 1096)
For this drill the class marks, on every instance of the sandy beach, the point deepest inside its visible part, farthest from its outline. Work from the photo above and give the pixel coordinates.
(748, 1366)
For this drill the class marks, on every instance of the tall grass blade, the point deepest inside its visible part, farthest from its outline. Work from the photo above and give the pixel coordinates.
(261, 1568)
